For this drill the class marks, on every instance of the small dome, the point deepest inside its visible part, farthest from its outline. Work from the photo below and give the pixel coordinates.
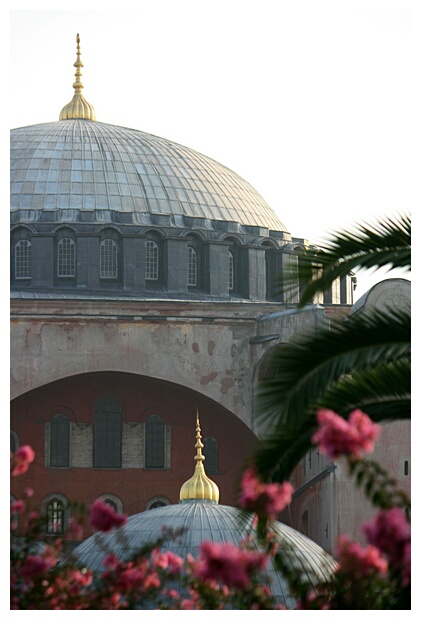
(204, 520)
(200, 518)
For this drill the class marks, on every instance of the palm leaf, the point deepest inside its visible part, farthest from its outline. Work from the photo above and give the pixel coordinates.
(361, 363)
(301, 370)
(385, 244)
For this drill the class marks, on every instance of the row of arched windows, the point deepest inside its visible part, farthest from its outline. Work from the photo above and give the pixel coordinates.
(56, 510)
(66, 259)
(108, 261)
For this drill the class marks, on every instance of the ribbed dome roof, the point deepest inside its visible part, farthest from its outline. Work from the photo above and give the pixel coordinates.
(205, 520)
(84, 165)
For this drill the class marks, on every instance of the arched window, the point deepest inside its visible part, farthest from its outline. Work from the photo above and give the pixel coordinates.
(113, 501)
(192, 267)
(230, 271)
(304, 522)
(23, 260)
(66, 258)
(14, 441)
(108, 259)
(271, 283)
(111, 504)
(59, 441)
(14, 516)
(154, 457)
(157, 502)
(55, 514)
(151, 262)
(210, 452)
(107, 433)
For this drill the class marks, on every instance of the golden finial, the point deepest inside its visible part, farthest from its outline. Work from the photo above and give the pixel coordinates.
(199, 486)
(78, 106)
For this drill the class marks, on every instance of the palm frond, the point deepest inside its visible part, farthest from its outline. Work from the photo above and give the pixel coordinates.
(287, 444)
(302, 372)
(385, 244)
(384, 388)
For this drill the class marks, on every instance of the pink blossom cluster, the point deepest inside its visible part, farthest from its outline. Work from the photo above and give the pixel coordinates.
(339, 437)
(103, 517)
(224, 576)
(21, 459)
(391, 533)
(266, 500)
(360, 561)
(229, 564)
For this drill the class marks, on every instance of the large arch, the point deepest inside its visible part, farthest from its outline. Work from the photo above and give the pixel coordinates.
(138, 397)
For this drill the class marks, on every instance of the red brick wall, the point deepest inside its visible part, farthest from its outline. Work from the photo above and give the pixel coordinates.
(138, 397)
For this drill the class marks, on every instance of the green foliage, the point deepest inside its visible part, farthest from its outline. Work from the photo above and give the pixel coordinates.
(362, 362)
(386, 244)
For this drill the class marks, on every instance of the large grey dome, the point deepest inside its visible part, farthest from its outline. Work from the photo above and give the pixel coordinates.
(80, 165)
(204, 520)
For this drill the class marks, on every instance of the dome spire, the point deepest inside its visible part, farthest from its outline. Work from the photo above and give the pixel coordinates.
(78, 107)
(199, 486)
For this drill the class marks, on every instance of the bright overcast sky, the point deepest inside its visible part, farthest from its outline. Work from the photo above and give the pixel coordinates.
(308, 101)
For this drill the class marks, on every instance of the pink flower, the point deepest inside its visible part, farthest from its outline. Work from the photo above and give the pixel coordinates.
(167, 560)
(406, 565)
(36, 565)
(337, 436)
(391, 533)
(102, 517)
(17, 506)
(264, 499)
(130, 578)
(151, 581)
(359, 561)
(227, 563)
(21, 460)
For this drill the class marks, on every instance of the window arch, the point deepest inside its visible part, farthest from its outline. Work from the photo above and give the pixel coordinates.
(60, 441)
(23, 259)
(14, 441)
(192, 266)
(151, 260)
(56, 518)
(231, 278)
(155, 443)
(66, 258)
(210, 452)
(113, 501)
(108, 259)
(271, 284)
(107, 433)
(304, 522)
(157, 502)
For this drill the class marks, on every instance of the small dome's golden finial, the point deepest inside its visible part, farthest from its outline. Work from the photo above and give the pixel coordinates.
(78, 106)
(199, 486)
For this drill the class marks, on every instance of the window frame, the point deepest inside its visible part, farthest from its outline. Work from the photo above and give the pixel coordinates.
(27, 260)
(151, 261)
(210, 452)
(66, 258)
(109, 258)
(108, 432)
(154, 444)
(62, 445)
(191, 266)
(58, 514)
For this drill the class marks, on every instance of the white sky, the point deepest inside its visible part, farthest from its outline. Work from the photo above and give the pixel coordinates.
(311, 102)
